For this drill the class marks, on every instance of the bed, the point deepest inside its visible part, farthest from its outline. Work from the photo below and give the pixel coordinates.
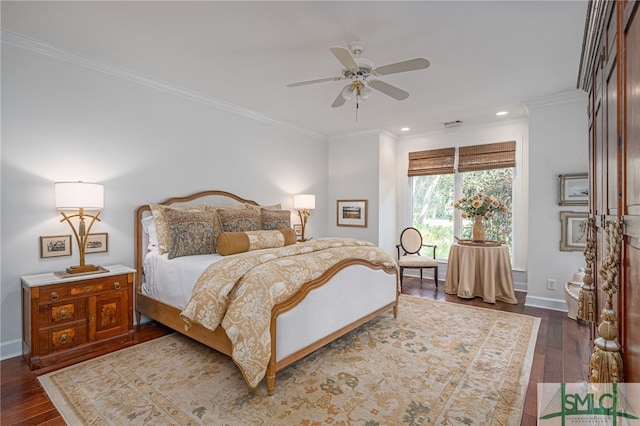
(360, 284)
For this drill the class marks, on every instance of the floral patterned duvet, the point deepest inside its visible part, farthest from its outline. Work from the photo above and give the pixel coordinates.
(239, 292)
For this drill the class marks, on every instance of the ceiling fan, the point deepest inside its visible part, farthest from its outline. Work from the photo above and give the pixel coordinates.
(361, 72)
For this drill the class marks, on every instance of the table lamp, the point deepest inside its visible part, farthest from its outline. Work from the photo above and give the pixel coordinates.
(303, 203)
(80, 196)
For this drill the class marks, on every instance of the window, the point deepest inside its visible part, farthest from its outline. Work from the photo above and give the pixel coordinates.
(436, 186)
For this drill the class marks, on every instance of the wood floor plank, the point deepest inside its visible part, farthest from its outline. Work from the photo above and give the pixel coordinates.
(562, 353)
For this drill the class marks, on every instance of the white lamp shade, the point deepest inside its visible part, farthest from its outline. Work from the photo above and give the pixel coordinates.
(304, 201)
(77, 195)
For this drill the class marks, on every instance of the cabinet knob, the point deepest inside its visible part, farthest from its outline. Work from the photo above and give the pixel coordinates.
(54, 296)
(63, 338)
(62, 314)
(87, 289)
(116, 285)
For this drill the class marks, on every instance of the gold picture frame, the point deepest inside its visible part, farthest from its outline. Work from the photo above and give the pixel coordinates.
(574, 231)
(351, 213)
(573, 189)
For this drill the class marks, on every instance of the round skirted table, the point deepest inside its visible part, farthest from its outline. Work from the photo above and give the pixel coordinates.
(480, 271)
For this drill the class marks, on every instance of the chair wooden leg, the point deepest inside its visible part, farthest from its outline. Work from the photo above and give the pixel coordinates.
(435, 275)
(420, 274)
(401, 274)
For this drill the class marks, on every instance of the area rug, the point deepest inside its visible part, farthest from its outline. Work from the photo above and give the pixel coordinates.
(437, 363)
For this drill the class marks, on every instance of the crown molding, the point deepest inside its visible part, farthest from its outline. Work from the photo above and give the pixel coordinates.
(560, 98)
(34, 45)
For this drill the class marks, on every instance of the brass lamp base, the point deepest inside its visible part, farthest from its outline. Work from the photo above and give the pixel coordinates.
(82, 269)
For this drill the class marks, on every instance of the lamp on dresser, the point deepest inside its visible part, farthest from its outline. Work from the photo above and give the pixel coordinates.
(80, 196)
(303, 203)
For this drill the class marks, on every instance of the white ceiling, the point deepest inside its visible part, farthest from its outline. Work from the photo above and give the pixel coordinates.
(485, 56)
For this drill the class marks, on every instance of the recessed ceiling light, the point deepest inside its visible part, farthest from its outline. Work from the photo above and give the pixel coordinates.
(405, 129)
(502, 113)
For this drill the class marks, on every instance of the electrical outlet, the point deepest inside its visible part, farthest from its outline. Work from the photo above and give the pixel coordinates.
(551, 284)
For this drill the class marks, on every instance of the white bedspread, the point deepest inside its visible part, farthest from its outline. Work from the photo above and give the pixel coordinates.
(172, 280)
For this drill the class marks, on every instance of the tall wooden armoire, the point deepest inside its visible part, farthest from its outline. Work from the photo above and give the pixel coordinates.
(610, 73)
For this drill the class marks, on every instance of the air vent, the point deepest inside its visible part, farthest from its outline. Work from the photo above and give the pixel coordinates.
(449, 124)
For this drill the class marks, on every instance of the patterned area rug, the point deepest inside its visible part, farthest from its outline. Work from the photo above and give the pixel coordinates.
(437, 363)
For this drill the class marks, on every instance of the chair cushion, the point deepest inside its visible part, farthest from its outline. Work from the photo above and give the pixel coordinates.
(415, 261)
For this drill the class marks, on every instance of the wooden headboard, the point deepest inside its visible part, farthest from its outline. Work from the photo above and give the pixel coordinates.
(212, 197)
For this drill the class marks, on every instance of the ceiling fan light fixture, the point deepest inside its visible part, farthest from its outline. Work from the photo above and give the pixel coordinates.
(347, 93)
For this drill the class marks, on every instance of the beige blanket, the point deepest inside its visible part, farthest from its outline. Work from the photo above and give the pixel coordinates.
(240, 291)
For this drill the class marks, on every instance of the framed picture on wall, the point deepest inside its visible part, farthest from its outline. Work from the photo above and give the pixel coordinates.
(352, 213)
(573, 189)
(97, 243)
(297, 227)
(55, 245)
(574, 231)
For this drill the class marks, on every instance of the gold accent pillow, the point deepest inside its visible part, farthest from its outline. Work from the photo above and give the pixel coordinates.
(240, 242)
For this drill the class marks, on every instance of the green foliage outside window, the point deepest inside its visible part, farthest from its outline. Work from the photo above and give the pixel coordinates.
(433, 211)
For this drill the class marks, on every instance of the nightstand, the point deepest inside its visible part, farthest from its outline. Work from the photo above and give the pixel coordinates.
(70, 319)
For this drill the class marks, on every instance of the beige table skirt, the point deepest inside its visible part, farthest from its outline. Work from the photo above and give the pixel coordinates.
(485, 272)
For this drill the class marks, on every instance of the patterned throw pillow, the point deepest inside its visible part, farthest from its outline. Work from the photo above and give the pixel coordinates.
(190, 233)
(275, 219)
(258, 209)
(159, 219)
(238, 220)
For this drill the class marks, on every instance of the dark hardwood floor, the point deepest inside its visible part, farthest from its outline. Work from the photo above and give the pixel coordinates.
(561, 355)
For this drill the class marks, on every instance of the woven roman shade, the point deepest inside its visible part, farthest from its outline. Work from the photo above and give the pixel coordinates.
(485, 157)
(432, 162)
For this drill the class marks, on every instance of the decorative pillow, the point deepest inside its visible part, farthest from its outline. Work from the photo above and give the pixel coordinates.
(238, 220)
(216, 224)
(258, 209)
(157, 210)
(240, 242)
(190, 233)
(275, 219)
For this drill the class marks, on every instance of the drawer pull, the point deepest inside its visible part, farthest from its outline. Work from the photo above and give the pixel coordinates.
(63, 314)
(54, 296)
(116, 285)
(63, 338)
(87, 289)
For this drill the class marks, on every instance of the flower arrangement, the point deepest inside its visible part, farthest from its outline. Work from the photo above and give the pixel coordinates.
(479, 204)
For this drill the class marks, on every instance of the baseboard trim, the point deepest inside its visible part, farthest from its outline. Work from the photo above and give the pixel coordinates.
(546, 303)
(10, 349)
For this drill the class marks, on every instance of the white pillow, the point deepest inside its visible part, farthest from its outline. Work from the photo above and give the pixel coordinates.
(149, 228)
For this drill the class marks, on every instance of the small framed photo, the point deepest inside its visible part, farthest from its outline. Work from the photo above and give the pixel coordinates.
(55, 245)
(573, 189)
(352, 213)
(97, 243)
(298, 228)
(574, 231)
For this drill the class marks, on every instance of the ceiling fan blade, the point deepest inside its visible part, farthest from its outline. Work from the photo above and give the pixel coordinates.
(389, 90)
(319, 80)
(410, 65)
(345, 58)
(340, 100)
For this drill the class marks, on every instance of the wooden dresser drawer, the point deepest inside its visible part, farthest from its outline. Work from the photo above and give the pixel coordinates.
(88, 287)
(58, 313)
(57, 339)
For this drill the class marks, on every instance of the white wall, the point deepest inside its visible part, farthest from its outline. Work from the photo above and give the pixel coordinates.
(62, 121)
(558, 144)
(387, 232)
(354, 175)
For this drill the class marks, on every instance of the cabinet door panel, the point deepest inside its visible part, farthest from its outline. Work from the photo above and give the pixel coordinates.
(109, 315)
